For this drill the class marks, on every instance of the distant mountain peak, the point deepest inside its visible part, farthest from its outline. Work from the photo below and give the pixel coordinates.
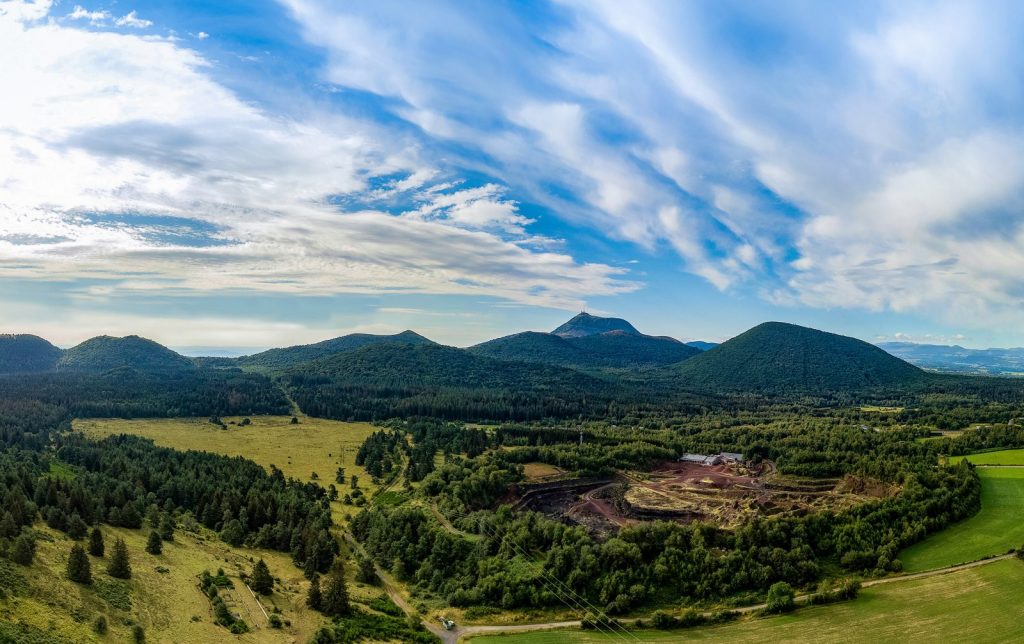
(585, 324)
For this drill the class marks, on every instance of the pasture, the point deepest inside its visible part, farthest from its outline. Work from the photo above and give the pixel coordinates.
(995, 529)
(163, 594)
(312, 446)
(974, 605)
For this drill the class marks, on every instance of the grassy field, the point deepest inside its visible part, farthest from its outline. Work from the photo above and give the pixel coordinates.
(992, 531)
(314, 445)
(1000, 457)
(975, 605)
(166, 602)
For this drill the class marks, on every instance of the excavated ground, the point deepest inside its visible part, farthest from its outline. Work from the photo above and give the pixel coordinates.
(725, 495)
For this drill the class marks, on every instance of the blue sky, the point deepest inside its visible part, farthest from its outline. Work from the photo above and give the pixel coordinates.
(247, 174)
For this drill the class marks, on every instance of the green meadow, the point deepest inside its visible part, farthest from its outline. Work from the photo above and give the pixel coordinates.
(994, 530)
(977, 605)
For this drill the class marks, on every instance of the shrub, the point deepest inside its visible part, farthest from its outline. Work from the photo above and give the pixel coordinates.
(780, 598)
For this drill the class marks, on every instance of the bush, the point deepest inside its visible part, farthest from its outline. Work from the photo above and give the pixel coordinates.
(780, 598)
(275, 621)
(100, 625)
(138, 634)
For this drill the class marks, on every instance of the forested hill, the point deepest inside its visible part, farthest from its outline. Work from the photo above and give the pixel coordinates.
(784, 358)
(586, 324)
(26, 354)
(385, 380)
(275, 359)
(614, 349)
(104, 353)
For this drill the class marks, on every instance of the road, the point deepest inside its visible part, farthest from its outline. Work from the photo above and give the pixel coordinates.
(452, 637)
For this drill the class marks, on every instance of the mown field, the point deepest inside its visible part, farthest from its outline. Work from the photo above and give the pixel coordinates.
(974, 605)
(1000, 457)
(314, 445)
(995, 529)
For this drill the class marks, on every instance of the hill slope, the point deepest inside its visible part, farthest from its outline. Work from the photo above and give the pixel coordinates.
(287, 357)
(104, 353)
(613, 349)
(585, 324)
(385, 380)
(785, 358)
(27, 354)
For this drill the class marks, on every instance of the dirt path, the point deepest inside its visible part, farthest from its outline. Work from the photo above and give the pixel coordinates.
(448, 637)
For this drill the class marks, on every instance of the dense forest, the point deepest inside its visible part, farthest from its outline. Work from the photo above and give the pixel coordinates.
(514, 556)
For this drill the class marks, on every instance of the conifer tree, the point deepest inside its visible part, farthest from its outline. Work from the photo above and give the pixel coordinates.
(167, 527)
(79, 569)
(120, 566)
(96, 547)
(154, 545)
(335, 593)
(262, 581)
(314, 599)
(24, 550)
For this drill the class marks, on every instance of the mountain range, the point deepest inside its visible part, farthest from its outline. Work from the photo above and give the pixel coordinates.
(587, 356)
(957, 359)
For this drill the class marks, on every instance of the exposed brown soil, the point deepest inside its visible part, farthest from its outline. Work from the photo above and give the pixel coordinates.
(726, 495)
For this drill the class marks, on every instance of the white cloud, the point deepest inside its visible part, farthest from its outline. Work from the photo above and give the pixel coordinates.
(202, 35)
(122, 159)
(131, 19)
(93, 17)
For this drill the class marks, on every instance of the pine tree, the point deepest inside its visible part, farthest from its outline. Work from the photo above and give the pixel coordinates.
(96, 542)
(367, 574)
(314, 599)
(24, 550)
(335, 595)
(77, 529)
(8, 528)
(120, 566)
(262, 581)
(167, 527)
(155, 545)
(79, 569)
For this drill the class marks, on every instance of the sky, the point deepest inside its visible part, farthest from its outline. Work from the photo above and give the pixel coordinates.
(244, 174)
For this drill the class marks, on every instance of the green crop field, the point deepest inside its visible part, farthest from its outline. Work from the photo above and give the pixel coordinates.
(995, 529)
(974, 605)
(1000, 457)
(314, 445)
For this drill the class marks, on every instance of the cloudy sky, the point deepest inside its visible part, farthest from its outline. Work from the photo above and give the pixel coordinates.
(254, 174)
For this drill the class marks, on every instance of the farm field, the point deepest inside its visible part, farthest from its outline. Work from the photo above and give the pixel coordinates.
(163, 594)
(973, 605)
(1000, 457)
(314, 445)
(995, 529)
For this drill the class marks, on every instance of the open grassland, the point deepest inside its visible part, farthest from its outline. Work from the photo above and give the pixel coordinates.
(1000, 457)
(974, 605)
(995, 529)
(314, 445)
(163, 594)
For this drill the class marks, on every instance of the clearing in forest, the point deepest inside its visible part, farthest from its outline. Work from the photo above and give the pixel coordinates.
(974, 605)
(994, 530)
(313, 445)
